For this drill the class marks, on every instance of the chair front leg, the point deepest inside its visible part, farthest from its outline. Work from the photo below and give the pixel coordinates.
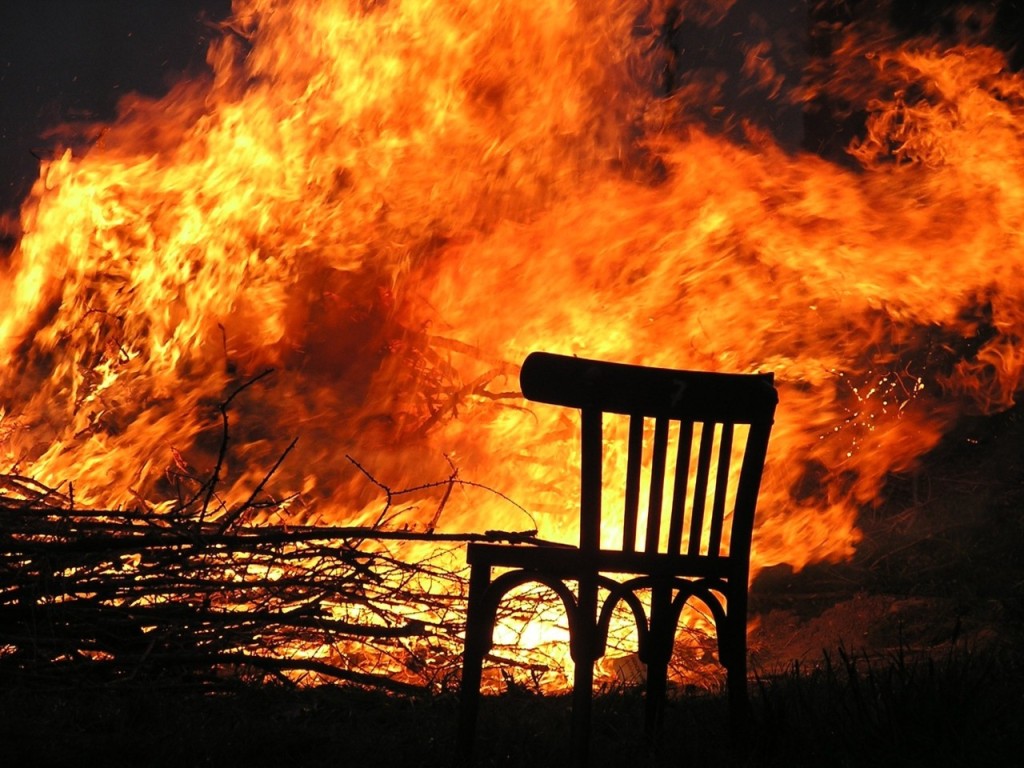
(478, 640)
(585, 651)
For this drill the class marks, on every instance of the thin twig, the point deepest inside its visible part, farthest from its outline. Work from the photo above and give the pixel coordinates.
(211, 484)
(249, 503)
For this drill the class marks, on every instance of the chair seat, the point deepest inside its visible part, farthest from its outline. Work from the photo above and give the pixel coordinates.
(569, 561)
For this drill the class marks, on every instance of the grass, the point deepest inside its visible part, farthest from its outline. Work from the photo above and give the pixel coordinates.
(963, 709)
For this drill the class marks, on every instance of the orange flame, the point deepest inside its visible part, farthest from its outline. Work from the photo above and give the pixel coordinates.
(392, 203)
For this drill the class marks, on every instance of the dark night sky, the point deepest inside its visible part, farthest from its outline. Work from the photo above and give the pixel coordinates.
(71, 60)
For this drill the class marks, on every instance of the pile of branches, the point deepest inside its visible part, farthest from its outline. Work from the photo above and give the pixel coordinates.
(136, 595)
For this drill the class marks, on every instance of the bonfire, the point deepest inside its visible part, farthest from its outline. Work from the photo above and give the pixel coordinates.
(260, 335)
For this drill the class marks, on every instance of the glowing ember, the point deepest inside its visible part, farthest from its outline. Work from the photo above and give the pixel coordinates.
(390, 204)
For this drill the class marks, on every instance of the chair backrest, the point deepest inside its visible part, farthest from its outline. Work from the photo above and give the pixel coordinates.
(719, 424)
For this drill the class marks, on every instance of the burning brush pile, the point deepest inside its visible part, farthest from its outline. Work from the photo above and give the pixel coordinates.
(196, 592)
(260, 336)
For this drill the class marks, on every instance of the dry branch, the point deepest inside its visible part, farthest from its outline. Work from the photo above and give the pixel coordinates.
(136, 596)
(199, 591)
(122, 594)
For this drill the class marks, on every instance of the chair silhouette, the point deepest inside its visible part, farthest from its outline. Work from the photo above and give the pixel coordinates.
(701, 549)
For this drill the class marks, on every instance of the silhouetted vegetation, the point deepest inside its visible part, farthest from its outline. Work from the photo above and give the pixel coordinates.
(960, 710)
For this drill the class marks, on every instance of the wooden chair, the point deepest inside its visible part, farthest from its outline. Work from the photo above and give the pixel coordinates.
(701, 549)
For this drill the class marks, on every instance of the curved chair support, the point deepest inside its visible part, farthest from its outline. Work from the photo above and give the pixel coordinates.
(686, 589)
(705, 592)
(498, 589)
(622, 592)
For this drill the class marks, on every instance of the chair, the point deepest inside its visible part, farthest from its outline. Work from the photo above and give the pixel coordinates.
(700, 550)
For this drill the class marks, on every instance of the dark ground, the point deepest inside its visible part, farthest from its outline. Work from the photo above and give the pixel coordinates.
(960, 710)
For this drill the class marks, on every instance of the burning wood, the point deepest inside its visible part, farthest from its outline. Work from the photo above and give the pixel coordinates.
(119, 594)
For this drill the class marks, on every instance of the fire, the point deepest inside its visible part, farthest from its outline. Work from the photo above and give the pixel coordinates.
(390, 204)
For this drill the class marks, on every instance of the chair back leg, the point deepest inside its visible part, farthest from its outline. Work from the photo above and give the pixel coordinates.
(739, 705)
(732, 652)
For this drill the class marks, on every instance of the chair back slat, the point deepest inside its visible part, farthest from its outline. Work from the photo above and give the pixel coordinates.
(721, 488)
(591, 477)
(679, 486)
(700, 489)
(634, 466)
(658, 460)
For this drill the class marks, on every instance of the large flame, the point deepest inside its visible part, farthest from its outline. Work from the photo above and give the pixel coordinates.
(391, 203)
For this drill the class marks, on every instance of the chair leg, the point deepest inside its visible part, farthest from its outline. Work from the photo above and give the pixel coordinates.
(660, 641)
(478, 630)
(582, 705)
(584, 652)
(734, 655)
(654, 706)
(739, 706)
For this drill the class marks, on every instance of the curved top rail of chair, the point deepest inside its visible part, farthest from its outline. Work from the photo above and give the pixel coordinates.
(577, 382)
